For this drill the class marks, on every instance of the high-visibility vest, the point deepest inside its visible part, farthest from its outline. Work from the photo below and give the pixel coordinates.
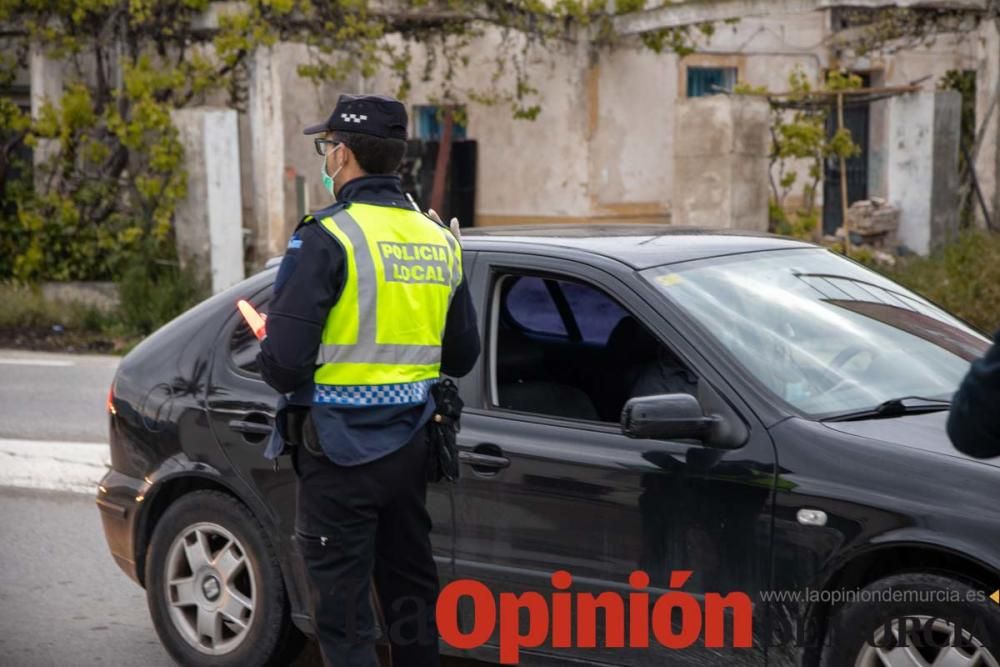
(381, 343)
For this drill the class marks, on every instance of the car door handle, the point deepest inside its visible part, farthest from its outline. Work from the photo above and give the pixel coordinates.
(254, 428)
(484, 460)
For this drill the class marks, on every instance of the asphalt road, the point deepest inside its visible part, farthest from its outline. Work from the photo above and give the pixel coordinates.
(54, 396)
(63, 600)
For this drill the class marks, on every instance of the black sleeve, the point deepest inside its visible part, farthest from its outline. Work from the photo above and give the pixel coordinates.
(974, 422)
(309, 282)
(460, 345)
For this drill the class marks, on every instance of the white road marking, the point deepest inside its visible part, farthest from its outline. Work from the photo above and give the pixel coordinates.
(36, 362)
(56, 466)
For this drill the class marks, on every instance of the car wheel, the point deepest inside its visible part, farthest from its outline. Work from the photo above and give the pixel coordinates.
(214, 586)
(915, 619)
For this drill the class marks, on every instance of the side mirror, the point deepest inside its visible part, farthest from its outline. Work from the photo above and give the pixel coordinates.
(665, 417)
(682, 417)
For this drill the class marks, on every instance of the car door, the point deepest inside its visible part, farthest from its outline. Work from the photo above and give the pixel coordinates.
(549, 484)
(241, 409)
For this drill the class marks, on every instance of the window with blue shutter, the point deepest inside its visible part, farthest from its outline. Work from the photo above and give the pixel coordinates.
(428, 123)
(702, 81)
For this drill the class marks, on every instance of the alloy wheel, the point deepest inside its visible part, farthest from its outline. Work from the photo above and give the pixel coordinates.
(935, 645)
(211, 590)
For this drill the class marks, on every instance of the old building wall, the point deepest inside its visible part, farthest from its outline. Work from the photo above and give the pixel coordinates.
(721, 158)
(284, 180)
(603, 145)
(528, 170)
(630, 129)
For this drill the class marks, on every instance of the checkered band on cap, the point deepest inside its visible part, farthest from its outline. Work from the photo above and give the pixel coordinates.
(376, 394)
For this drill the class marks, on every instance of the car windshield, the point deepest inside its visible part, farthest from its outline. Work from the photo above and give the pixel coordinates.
(823, 333)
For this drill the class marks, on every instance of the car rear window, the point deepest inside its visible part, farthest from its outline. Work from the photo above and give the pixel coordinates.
(243, 345)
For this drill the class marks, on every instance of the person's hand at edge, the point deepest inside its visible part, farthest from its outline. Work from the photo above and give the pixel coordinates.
(456, 229)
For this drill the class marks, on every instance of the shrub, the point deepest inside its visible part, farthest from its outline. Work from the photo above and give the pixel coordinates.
(150, 294)
(962, 277)
(24, 307)
(153, 294)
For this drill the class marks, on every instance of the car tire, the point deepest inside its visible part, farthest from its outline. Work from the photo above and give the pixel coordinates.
(857, 623)
(214, 586)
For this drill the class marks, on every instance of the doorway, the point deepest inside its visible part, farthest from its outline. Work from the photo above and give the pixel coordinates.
(857, 121)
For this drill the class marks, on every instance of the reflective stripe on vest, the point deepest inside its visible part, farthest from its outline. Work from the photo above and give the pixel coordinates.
(387, 352)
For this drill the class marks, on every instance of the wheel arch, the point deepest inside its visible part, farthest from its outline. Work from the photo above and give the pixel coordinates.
(883, 560)
(162, 494)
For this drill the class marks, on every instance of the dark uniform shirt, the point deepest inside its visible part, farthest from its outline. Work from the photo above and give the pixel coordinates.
(309, 282)
(974, 422)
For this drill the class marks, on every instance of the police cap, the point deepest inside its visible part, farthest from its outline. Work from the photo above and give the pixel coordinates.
(377, 115)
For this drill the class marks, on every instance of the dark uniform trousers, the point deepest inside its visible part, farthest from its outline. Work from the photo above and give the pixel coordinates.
(354, 522)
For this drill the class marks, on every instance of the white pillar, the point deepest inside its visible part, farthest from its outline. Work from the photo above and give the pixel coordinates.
(267, 137)
(225, 214)
(209, 222)
(46, 80)
(923, 166)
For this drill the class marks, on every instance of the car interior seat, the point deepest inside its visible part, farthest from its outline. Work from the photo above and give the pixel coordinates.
(629, 350)
(550, 398)
(524, 384)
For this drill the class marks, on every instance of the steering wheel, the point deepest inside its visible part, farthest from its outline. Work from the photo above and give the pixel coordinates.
(849, 353)
(841, 360)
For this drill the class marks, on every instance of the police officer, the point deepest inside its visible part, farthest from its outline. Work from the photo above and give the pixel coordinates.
(974, 422)
(370, 307)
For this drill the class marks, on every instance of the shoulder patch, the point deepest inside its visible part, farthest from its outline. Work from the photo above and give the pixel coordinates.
(295, 242)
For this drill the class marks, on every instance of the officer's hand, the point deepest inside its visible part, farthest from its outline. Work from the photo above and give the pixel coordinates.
(455, 228)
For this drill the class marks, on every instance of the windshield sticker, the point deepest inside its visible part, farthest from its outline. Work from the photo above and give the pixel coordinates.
(669, 280)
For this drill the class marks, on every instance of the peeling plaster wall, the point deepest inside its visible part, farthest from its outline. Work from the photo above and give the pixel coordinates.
(281, 104)
(721, 158)
(631, 132)
(987, 89)
(527, 170)
(923, 163)
(603, 145)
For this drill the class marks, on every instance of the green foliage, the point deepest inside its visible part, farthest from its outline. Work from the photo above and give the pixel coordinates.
(964, 82)
(962, 276)
(153, 295)
(681, 40)
(149, 297)
(25, 307)
(872, 30)
(799, 134)
(108, 190)
(839, 80)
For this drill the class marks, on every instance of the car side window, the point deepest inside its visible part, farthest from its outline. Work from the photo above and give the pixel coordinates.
(588, 366)
(596, 314)
(243, 345)
(530, 305)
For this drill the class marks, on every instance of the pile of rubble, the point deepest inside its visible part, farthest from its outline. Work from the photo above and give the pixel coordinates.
(873, 224)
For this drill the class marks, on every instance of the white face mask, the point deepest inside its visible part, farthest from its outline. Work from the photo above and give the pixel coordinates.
(327, 178)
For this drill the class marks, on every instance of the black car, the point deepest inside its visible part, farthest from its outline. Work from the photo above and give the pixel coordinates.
(756, 410)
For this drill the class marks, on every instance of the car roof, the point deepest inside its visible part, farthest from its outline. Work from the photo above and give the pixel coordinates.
(638, 245)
